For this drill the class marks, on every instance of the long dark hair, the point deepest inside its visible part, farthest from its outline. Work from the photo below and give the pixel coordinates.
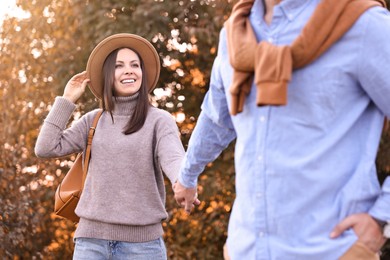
(138, 118)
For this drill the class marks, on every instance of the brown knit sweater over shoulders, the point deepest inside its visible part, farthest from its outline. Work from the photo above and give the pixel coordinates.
(271, 66)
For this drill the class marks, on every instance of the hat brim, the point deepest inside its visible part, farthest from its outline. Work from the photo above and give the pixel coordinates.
(123, 40)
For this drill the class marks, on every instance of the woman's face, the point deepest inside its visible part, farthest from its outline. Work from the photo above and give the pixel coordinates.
(128, 73)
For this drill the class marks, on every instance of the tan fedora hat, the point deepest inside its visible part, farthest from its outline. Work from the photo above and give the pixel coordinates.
(122, 40)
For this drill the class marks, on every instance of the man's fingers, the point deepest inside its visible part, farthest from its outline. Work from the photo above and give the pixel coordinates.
(188, 207)
(197, 202)
(345, 224)
(185, 197)
(180, 200)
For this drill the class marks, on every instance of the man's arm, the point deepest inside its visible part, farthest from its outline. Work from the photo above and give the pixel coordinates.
(212, 134)
(375, 80)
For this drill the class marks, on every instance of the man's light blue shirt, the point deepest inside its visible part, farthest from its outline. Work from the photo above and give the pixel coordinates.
(303, 167)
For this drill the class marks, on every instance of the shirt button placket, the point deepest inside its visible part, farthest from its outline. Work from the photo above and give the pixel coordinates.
(260, 195)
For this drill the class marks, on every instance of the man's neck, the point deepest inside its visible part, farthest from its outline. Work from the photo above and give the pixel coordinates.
(269, 9)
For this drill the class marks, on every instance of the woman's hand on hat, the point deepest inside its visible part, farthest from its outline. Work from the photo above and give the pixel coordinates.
(76, 86)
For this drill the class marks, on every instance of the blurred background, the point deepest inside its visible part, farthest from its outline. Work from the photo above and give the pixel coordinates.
(42, 44)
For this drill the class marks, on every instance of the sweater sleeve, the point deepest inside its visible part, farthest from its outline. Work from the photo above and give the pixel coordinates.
(169, 149)
(54, 140)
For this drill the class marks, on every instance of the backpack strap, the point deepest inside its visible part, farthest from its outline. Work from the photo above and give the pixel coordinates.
(87, 156)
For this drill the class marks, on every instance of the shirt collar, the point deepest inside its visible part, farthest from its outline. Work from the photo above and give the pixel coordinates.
(290, 8)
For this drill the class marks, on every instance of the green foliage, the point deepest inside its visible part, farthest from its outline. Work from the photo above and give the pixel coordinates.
(38, 56)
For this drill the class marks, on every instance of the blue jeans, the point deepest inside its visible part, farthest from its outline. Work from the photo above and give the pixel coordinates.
(99, 249)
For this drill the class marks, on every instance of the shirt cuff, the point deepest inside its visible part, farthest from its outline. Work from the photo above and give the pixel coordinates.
(380, 210)
(61, 112)
(186, 178)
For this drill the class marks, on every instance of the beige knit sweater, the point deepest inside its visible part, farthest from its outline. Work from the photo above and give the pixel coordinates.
(124, 194)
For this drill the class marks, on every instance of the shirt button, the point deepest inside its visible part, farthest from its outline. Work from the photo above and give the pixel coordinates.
(259, 195)
(261, 234)
(260, 158)
(271, 40)
(262, 119)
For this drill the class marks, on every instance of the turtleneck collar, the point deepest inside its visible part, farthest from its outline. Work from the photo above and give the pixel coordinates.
(124, 106)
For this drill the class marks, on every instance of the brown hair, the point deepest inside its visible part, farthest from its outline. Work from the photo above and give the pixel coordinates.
(138, 118)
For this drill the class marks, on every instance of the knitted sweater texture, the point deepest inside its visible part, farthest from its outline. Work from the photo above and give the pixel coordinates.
(124, 194)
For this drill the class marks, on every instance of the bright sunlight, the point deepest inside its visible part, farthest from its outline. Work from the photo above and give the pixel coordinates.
(8, 8)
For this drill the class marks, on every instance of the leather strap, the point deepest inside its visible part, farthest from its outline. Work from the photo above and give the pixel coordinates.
(87, 155)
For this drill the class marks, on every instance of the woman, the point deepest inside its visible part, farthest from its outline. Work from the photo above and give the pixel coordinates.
(123, 201)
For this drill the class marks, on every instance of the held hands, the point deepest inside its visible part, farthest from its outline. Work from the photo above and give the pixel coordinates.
(76, 86)
(366, 229)
(186, 197)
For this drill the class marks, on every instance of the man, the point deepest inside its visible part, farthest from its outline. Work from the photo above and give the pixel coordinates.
(307, 113)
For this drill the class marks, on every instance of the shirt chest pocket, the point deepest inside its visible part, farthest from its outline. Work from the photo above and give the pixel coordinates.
(323, 93)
